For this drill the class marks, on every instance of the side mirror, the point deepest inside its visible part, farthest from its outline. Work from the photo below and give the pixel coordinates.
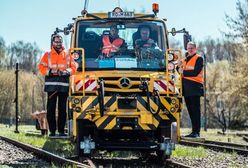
(186, 38)
(173, 31)
(58, 30)
(68, 29)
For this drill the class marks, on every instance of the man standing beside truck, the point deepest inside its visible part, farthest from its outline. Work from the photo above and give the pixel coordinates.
(57, 66)
(192, 81)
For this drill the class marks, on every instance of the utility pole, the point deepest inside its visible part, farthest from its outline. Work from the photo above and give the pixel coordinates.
(16, 98)
(205, 90)
(33, 101)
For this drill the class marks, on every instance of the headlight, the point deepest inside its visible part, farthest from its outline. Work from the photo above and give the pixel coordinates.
(171, 66)
(170, 57)
(78, 109)
(173, 101)
(76, 100)
(172, 109)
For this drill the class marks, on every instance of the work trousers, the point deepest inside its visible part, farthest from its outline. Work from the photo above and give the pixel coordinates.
(194, 109)
(51, 110)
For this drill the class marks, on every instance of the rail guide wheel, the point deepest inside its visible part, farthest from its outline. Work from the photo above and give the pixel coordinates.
(84, 140)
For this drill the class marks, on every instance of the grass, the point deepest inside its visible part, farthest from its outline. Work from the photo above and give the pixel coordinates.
(189, 152)
(29, 135)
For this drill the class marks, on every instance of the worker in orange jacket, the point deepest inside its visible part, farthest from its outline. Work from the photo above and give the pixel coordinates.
(192, 82)
(145, 41)
(112, 43)
(57, 66)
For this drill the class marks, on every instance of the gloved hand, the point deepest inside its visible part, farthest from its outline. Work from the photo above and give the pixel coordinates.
(63, 73)
(52, 72)
(180, 70)
(179, 63)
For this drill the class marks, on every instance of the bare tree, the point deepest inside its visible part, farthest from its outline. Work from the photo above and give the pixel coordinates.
(26, 54)
(239, 24)
(31, 95)
(217, 49)
(2, 52)
(228, 83)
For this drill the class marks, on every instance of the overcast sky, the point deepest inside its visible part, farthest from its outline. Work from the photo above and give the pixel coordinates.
(35, 21)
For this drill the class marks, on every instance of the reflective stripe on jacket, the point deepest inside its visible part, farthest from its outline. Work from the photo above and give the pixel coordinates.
(54, 62)
(109, 47)
(190, 65)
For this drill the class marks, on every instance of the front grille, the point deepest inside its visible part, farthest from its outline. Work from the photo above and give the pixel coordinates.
(135, 82)
(112, 86)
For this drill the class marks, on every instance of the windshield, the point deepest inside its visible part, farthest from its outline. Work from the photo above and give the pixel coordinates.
(113, 45)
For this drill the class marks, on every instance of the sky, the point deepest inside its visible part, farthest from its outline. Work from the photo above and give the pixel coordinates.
(35, 20)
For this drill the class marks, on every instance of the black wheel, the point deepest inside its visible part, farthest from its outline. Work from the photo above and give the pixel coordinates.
(162, 156)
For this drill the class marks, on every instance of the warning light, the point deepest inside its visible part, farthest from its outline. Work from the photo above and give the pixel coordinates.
(155, 8)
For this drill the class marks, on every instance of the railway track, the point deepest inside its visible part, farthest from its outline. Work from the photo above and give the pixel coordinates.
(138, 162)
(174, 164)
(95, 162)
(47, 156)
(144, 162)
(216, 145)
(243, 135)
(245, 138)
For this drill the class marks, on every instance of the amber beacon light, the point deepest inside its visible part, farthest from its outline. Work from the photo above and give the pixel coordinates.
(155, 8)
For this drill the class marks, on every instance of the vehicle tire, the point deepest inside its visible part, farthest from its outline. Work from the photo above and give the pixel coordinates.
(162, 156)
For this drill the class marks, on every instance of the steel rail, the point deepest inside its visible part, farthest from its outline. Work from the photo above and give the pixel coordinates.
(227, 144)
(138, 162)
(216, 145)
(245, 138)
(173, 164)
(45, 155)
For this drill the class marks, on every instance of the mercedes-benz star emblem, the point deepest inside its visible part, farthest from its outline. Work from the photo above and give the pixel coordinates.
(125, 82)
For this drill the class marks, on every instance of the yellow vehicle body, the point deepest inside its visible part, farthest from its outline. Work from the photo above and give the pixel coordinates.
(88, 107)
(130, 105)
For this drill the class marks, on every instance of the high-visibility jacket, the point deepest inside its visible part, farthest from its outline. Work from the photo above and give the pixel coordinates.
(109, 47)
(190, 65)
(54, 62)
